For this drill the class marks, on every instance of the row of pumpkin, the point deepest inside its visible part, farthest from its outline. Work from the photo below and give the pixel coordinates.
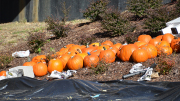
(74, 56)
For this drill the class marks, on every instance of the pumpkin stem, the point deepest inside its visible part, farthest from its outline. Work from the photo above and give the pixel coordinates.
(69, 53)
(72, 56)
(87, 45)
(79, 50)
(114, 42)
(104, 48)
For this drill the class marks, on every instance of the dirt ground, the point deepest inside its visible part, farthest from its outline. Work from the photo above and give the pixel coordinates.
(115, 70)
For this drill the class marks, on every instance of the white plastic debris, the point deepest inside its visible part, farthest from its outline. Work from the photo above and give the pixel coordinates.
(12, 74)
(147, 75)
(139, 67)
(136, 68)
(61, 75)
(2, 77)
(21, 53)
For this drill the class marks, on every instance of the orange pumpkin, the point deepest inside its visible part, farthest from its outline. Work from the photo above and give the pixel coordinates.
(107, 42)
(154, 41)
(94, 44)
(88, 49)
(107, 56)
(75, 62)
(159, 37)
(64, 49)
(40, 69)
(55, 64)
(118, 54)
(126, 52)
(167, 37)
(117, 45)
(114, 49)
(82, 55)
(151, 50)
(64, 59)
(175, 44)
(140, 43)
(162, 43)
(39, 58)
(144, 38)
(69, 45)
(74, 48)
(72, 53)
(3, 73)
(102, 47)
(91, 60)
(165, 49)
(31, 63)
(140, 55)
(96, 52)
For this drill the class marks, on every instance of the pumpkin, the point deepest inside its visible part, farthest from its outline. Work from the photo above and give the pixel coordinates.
(140, 55)
(3, 73)
(96, 52)
(31, 63)
(74, 48)
(159, 37)
(88, 49)
(126, 52)
(114, 49)
(94, 44)
(82, 46)
(69, 45)
(175, 44)
(144, 38)
(162, 43)
(63, 50)
(140, 43)
(154, 41)
(55, 64)
(165, 49)
(40, 69)
(64, 59)
(117, 45)
(72, 53)
(151, 50)
(75, 62)
(167, 37)
(107, 56)
(102, 47)
(91, 60)
(118, 54)
(107, 42)
(39, 58)
(58, 54)
(82, 54)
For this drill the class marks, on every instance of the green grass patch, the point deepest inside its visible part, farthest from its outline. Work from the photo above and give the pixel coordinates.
(18, 32)
(38, 29)
(13, 41)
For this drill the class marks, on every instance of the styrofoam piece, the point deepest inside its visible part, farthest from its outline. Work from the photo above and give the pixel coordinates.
(27, 70)
(174, 22)
(176, 29)
(167, 29)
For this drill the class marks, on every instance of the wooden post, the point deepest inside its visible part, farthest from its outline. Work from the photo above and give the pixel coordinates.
(35, 11)
(22, 10)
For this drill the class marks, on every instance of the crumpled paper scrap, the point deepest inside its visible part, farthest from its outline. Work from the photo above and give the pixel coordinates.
(61, 75)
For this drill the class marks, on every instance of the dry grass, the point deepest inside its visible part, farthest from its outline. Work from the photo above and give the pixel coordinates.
(15, 32)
